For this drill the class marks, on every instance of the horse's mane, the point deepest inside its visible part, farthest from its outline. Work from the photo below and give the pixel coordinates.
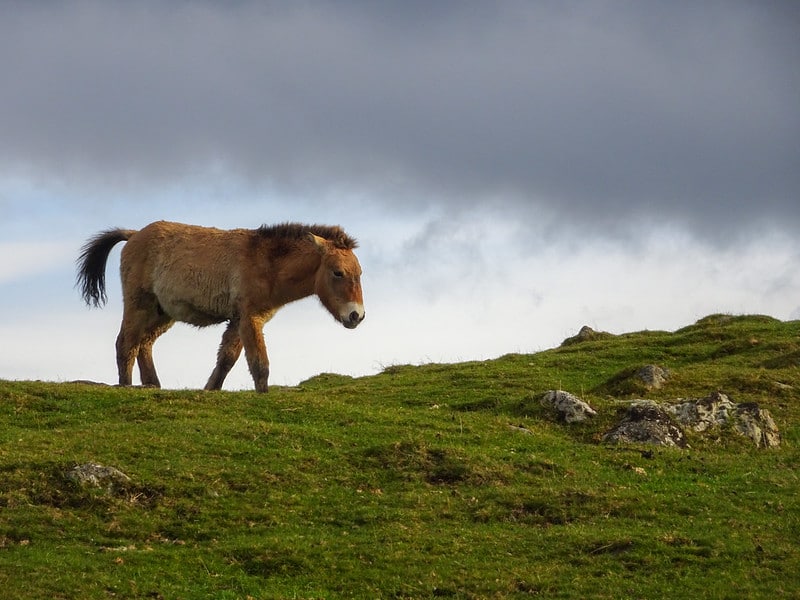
(297, 231)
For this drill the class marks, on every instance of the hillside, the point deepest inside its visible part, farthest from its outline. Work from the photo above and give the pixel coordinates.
(419, 482)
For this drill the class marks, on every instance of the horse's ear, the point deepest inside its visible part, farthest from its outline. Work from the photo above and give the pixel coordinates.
(319, 241)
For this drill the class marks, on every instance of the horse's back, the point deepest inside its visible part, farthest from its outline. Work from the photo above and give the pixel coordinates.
(168, 245)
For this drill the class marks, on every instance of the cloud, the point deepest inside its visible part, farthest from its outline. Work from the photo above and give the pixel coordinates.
(592, 114)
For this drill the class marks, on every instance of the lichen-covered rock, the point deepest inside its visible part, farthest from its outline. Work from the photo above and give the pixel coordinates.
(569, 407)
(94, 475)
(653, 376)
(757, 424)
(717, 410)
(713, 410)
(646, 422)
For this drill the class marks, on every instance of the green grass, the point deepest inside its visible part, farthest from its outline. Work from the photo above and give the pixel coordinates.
(420, 482)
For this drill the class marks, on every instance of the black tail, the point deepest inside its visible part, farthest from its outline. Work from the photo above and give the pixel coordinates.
(92, 264)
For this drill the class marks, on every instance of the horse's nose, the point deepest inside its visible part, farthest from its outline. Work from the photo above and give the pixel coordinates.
(353, 317)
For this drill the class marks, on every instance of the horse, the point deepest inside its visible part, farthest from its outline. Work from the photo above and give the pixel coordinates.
(203, 276)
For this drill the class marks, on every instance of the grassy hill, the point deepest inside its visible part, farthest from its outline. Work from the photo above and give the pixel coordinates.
(420, 482)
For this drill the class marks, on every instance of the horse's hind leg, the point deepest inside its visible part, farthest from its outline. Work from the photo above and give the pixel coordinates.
(147, 369)
(229, 350)
(126, 354)
(141, 325)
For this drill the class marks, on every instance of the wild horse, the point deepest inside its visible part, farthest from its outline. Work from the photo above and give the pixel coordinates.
(202, 276)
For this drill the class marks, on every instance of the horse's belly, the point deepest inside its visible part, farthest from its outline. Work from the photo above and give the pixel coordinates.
(188, 313)
(196, 304)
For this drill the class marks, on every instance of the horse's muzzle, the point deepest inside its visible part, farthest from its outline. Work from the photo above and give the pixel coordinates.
(354, 317)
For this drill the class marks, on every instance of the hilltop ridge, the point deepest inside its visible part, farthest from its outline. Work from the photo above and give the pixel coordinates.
(418, 482)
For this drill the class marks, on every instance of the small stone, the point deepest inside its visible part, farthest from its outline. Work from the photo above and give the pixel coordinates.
(521, 429)
(570, 408)
(95, 475)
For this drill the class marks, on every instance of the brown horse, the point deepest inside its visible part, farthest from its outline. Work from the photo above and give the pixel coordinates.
(202, 276)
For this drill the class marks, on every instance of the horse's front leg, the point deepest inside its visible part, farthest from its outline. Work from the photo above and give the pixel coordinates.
(255, 350)
(229, 350)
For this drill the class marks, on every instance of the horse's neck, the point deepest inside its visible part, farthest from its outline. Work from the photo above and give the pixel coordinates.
(297, 273)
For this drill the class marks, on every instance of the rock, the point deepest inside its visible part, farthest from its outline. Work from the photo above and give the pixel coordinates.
(634, 382)
(94, 475)
(570, 408)
(653, 376)
(717, 409)
(586, 334)
(646, 422)
(757, 424)
(700, 415)
(521, 429)
(87, 482)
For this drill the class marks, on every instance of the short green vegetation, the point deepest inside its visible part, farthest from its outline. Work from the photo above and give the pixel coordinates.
(437, 481)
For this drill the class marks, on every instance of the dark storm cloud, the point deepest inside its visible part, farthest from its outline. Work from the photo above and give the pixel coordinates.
(593, 112)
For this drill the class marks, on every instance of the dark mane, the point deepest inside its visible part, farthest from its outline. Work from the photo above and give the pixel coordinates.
(296, 231)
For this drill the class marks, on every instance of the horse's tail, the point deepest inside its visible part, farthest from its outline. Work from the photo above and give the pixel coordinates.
(92, 264)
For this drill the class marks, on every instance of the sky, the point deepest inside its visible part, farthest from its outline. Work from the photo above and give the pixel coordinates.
(512, 171)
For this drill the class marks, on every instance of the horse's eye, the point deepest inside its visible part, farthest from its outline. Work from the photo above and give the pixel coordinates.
(338, 274)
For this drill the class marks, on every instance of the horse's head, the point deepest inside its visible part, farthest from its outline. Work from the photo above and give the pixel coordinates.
(338, 282)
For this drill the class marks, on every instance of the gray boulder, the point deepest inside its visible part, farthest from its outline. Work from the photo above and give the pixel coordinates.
(717, 410)
(646, 422)
(586, 334)
(653, 376)
(701, 415)
(757, 424)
